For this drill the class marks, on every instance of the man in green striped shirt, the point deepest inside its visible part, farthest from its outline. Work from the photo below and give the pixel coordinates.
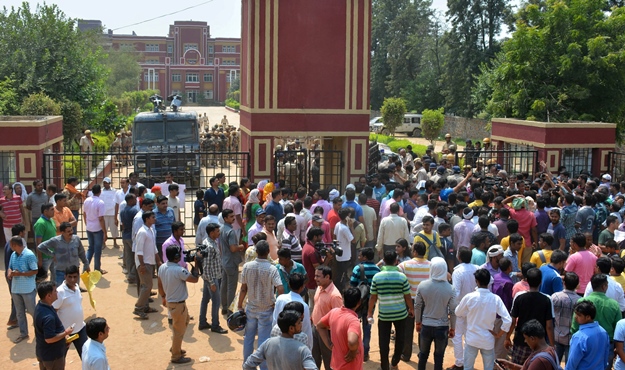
(392, 289)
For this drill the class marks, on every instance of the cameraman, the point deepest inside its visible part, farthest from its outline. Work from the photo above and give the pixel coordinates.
(311, 259)
(172, 287)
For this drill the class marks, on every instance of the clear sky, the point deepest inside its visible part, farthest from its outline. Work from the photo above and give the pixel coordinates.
(223, 16)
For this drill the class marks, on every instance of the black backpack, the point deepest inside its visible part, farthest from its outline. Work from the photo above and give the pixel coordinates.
(363, 287)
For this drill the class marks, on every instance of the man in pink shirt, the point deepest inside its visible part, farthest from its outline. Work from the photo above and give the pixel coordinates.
(527, 223)
(232, 202)
(344, 326)
(582, 262)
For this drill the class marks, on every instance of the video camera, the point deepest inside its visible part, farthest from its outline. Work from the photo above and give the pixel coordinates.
(323, 249)
(190, 256)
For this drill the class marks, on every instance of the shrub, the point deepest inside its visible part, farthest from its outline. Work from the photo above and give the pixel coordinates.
(40, 104)
(432, 123)
(233, 103)
(393, 110)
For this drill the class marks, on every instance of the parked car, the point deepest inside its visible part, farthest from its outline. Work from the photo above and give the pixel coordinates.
(411, 126)
(376, 124)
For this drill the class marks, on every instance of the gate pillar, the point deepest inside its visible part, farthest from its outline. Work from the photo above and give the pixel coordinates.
(305, 73)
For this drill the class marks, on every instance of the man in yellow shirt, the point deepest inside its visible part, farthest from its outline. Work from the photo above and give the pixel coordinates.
(430, 238)
(616, 272)
(543, 255)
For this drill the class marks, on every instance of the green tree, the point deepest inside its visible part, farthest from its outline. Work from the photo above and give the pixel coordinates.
(475, 25)
(565, 61)
(432, 123)
(9, 104)
(124, 70)
(393, 110)
(44, 52)
(40, 104)
(72, 121)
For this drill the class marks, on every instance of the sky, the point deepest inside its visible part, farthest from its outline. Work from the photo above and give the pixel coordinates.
(223, 16)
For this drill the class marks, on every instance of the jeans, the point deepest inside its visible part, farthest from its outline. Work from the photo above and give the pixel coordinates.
(75, 213)
(23, 303)
(409, 338)
(470, 354)
(60, 276)
(96, 239)
(366, 333)
(206, 297)
(129, 261)
(562, 351)
(80, 341)
(13, 317)
(384, 337)
(49, 267)
(228, 290)
(429, 334)
(257, 323)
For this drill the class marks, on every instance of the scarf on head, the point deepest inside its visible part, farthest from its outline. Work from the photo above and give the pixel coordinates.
(72, 190)
(438, 269)
(253, 196)
(24, 192)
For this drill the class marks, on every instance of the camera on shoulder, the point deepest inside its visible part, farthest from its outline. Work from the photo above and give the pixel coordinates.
(325, 248)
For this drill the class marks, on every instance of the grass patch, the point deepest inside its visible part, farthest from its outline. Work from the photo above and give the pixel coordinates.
(396, 144)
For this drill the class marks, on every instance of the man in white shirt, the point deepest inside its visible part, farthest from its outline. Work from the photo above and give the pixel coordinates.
(68, 306)
(392, 228)
(296, 285)
(146, 256)
(93, 217)
(464, 229)
(480, 309)
(463, 283)
(94, 352)
(344, 231)
(111, 207)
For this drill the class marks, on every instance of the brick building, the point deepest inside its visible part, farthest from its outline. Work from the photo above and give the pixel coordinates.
(188, 61)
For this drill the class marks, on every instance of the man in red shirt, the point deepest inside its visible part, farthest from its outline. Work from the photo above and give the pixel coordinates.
(311, 259)
(11, 211)
(347, 350)
(333, 215)
(527, 223)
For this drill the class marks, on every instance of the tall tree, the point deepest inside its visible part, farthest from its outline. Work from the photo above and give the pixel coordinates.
(475, 25)
(124, 70)
(565, 61)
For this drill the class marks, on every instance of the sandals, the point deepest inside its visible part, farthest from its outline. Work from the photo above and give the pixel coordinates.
(20, 338)
(150, 310)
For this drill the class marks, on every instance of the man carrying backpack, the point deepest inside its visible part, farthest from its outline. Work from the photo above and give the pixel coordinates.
(361, 278)
(543, 356)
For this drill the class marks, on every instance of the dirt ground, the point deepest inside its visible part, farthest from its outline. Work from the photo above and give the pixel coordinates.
(137, 344)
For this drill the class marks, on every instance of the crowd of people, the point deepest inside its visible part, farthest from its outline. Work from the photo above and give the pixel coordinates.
(525, 270)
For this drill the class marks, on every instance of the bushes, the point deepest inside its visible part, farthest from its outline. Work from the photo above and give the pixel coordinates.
(232, 103)
(40, 104)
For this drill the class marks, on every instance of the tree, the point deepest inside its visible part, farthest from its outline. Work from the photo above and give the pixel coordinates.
(43, 51)
(475, 24)
(393, 110)
(124, 70)
(565, 61)
(432, 123)
(40, 105)
(9, 104)
(72, 121)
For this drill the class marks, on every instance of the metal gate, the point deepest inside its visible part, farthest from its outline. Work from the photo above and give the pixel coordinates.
(193, 169)
(311, 169)
(512, 161)
(616, 166)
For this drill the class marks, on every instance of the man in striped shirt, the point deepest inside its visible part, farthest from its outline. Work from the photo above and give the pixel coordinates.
(11, 211)
(416, 270)
(365, 257)
(391, 287)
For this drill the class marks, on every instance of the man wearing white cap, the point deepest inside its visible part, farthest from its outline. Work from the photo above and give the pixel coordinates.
(464, 229)
(111, 209)
(605, 180)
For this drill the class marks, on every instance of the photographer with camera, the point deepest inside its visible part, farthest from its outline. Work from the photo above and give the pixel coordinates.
(172, 287)
(312, 258)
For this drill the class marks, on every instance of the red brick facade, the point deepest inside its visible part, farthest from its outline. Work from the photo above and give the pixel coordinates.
(188, 61)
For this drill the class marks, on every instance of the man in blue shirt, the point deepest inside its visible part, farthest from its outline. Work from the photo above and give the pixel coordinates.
(350, 196)
(50, 346)
(21, 272)
(591, 344)
(164, 218)
(214, 194)
(556, 229)
(274, 208)
(552, 282)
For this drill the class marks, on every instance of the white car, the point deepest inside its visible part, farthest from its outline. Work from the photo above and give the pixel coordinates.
(376, 124)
